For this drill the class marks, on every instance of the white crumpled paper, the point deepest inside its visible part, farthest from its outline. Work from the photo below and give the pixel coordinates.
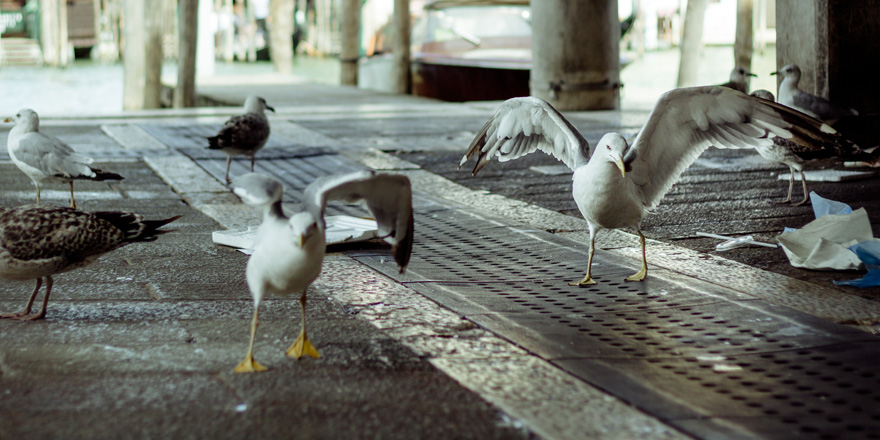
(824, 243)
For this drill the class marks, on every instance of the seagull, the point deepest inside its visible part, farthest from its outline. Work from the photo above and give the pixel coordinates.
(37, 242)
(47, 159)
(288, 251)
(739, 79)
(815, 106)
(243, 134)
(617, 184)
(795, 155)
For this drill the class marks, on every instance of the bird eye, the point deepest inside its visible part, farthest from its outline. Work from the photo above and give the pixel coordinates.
(608, 147)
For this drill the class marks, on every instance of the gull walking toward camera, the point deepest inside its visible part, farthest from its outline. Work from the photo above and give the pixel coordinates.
(289, 251)
(617, 184)
(46, 159)
(243, 134)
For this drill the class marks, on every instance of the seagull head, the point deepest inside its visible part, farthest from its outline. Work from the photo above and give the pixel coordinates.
(304, 227)
(740, 74)
(612, 147)
(763, 94)
(255, 104)
(257, 189)
(789, 71)
(26, 119)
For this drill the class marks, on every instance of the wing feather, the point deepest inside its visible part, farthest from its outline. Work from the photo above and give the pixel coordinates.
(687, 121)
(52, 156)
(524, 125)
(387, 196)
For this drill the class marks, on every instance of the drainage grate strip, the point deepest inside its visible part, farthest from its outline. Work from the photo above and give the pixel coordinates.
(708, 360)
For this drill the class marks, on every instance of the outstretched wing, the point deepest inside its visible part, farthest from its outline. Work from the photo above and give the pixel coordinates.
(521, 126)
(387, 196)
(687, 121)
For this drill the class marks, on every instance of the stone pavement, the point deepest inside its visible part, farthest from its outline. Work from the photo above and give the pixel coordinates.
(141, 344)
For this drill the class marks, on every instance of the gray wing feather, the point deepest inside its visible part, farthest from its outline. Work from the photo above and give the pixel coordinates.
(821, 107)
(524, 125)
(687, 121)
(387, 196)
(52, 156)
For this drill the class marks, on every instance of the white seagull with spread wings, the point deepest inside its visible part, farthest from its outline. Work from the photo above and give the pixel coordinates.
(289, 251)
(617, 184)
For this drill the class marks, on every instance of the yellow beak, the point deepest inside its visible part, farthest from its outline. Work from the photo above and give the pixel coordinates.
(620, 166)
(302, 238)
(7, 120)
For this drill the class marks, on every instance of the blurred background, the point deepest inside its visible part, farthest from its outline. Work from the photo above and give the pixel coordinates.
(66, 56)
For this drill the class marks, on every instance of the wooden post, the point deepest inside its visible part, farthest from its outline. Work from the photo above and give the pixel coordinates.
(229, 34)
(400, 74)
(281, 35)
(350, 50)
(187, 37)
(691, 43)
(576, 54)
(53, 32)
(142, 62)
(743, 44)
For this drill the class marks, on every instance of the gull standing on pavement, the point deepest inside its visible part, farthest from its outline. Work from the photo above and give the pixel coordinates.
(37, 242)
(617, 184)
(794, 155)
(815, 106)
(46, 159)
(243, 134)
(288, 251)
(739, 79)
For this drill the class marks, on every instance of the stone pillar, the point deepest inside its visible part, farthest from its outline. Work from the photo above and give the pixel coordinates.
(691, 43)
(53, 32)
(188, 23)
(142, 60)
(281, 35)
(742, 46)
(400, 70)
(350, 50)
(836, 46)
(575, 54)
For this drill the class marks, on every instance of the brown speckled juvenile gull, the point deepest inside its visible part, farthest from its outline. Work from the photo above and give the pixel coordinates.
(795, 155)
(243, 134)
(46, 159)
(37, 242)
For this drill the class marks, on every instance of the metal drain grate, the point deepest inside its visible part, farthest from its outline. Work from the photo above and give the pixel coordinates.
(195, 135)
(705, 359)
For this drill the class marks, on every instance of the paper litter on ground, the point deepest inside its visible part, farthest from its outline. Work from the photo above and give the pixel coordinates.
(340, 229)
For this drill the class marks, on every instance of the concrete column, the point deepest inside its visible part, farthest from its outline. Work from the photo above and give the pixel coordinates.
(348, 56)
(53, 32)
(142, 63)
(575, 54)
(400, 69)
(836, 46)
(802, 39)
(188, 24)
(207, 26)
(691, 43)
(742, 46)
(281, 35)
